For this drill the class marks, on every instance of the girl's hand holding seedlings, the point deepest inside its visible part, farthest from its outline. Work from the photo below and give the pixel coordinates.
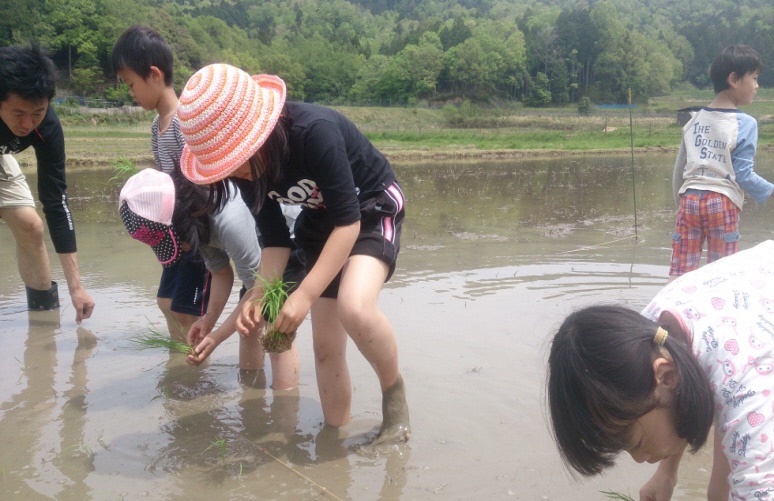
(202, 350)
(293, 312)
(198, 331)
(250, 317)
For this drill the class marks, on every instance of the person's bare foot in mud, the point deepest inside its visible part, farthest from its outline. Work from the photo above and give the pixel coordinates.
(395, 415)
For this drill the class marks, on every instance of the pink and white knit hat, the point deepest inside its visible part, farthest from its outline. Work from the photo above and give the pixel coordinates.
(225, 116)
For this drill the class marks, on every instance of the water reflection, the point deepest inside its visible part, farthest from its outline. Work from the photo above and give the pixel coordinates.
(493, 255)
(25, 416)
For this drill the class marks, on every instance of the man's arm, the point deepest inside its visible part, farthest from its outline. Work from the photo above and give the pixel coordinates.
(81, 299)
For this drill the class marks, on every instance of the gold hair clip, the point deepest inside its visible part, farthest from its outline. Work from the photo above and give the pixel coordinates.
(660, 337)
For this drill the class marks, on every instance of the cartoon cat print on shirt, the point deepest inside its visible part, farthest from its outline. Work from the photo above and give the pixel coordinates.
(692, 313)
(768, 304)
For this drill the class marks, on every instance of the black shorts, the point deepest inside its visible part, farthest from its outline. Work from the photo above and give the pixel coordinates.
(295, 271)
(381, 222)
(187, 283)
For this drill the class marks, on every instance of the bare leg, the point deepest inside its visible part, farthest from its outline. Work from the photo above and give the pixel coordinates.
(330, 354)
(718, 485)
(284, 369)
(31, 253)
(178, 324)
(369, 328)
(251, 354)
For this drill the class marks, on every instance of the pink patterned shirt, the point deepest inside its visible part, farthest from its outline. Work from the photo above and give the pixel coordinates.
(728, 306)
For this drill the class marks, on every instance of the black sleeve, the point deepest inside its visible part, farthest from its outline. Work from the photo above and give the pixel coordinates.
(326, 151)
(272, 228)
(52, 186)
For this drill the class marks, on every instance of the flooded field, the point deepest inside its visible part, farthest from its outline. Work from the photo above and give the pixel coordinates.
(494, 256)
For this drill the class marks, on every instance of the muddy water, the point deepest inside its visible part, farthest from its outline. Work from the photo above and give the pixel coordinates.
(494, 255)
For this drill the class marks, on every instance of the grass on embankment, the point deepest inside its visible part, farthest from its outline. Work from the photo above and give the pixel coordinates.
(103, 139)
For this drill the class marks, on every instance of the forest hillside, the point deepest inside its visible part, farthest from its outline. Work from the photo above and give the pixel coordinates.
(393, 52)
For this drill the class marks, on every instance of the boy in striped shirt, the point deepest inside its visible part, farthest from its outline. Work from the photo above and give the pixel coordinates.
(143, 60)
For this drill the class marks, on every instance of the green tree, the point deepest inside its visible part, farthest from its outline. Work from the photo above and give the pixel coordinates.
(413, 72)
(330, 71)
(578, 41)
(540, 92)
(367, 84)
(505, 53)
(454, 33)
(19, 21)
(465, 68)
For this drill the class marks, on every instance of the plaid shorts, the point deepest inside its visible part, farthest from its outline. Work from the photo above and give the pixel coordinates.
(703, 215)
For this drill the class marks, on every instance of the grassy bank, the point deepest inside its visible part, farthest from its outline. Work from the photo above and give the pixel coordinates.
(104, 138)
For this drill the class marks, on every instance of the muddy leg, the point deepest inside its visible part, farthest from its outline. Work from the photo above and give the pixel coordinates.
(395, 415)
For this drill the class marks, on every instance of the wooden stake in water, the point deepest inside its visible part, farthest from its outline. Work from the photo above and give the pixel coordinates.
(634, 185)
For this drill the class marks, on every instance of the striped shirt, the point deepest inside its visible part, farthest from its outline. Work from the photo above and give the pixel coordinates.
(168, 146)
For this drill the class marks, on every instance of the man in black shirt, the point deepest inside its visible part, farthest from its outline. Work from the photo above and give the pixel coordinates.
(27, 85)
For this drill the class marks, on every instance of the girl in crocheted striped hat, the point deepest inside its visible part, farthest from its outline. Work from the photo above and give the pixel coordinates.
(240, 127)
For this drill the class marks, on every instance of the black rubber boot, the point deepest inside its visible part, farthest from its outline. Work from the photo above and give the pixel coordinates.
(38, 300)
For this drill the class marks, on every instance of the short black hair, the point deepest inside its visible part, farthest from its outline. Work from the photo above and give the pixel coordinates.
(601, 380)
(739, 59)
(26, 72)
(140, 47)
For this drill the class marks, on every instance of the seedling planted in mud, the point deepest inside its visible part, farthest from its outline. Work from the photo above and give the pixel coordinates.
(221, 443)
(82, 448)
(275, 292)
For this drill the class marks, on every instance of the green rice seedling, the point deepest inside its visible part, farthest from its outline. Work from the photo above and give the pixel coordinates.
(122, 169)
(156, 339)
(82, 448)
(617, 495)
(275, 292)
(21, 364)
(221, 443)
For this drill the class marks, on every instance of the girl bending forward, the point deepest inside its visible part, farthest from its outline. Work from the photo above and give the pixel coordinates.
(654, 383)
(240, 127)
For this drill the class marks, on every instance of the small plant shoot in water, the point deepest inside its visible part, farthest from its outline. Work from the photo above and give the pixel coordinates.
(221, 444)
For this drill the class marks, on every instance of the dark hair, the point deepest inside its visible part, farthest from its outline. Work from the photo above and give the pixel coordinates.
(190, 217)
(739, 59)
(138, 48)
(26, 72)
(601, 380)
(266, 166)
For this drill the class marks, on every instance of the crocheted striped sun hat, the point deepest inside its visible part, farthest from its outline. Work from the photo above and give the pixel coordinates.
(225, 116)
